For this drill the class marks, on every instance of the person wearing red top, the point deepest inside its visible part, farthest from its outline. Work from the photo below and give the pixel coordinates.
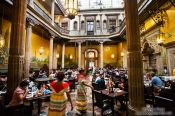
(59, 96)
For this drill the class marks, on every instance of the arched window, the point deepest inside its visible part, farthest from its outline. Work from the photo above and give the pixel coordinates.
(82, 25)
(104, 24)
(98, 24)
(75, 25)
(120, 21)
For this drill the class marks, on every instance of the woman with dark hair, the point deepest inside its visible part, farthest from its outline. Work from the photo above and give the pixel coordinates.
(19, 94)
(58, 98)
(17, 106)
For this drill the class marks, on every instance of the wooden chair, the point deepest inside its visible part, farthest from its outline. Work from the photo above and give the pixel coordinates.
(167, 104)
(100, 101)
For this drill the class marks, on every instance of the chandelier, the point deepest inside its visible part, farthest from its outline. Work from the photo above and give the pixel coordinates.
(71, 8)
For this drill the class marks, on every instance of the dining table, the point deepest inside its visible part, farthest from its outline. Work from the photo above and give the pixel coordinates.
(39, 99)
(45, 79)
(113, 95)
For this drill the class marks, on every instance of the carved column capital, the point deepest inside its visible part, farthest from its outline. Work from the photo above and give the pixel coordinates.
(52, 37)
(29, 22)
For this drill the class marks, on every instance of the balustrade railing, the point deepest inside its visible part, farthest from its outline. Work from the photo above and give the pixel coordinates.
(42, 13)
(61, 30)
(74, 32)
(49, 19)
(122, 24)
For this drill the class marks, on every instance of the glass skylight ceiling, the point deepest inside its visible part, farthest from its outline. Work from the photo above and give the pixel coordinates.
(100, 4)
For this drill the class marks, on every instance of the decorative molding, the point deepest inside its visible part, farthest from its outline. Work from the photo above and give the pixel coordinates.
(97, 40)
(30, 22)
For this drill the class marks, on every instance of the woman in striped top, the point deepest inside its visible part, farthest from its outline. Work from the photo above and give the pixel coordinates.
(59, 96)
(81, 98)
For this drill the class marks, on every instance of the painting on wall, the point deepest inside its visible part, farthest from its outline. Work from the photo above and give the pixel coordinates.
(4, 51)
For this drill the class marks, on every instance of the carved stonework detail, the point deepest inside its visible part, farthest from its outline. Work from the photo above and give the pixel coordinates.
(16, 68)
(16, 53)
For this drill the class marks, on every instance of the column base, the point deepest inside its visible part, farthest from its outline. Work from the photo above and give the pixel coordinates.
(131, 110)
(134, 112)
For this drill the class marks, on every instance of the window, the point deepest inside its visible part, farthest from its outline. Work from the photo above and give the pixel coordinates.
(98, 24)
(120, 22)
(91, 55)
(104, 24)
(112, 23)
(64, 25)
(75, 25)
(82, 25)
(90, 26)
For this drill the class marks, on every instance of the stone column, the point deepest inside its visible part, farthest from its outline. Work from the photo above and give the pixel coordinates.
(79, 20)
(101, 54)
(51, 54)
(95, 24)
(117, 21)
(135, 72)
(101, 23)
(107, 25)
(31, 3)
(85, 25)
(63, 53)
(79, 54)
(53, 11)
(16, 53)
(117, 24)
(28, 47)
(54, 56)
(159, 63)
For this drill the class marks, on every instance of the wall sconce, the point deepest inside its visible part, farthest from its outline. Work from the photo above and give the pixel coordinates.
(122, 54)
(2, 41)
(160, 38)
(41, 50)
(57, 56)
(112, 56)
(71, 57)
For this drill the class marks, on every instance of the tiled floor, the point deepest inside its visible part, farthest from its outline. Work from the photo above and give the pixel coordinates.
(73, 113)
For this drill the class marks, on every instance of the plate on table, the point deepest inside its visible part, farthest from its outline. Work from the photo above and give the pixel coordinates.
(29, 96)
(119, 90)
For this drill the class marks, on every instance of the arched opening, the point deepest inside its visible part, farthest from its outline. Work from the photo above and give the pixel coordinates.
(91, 58)
(75, 25)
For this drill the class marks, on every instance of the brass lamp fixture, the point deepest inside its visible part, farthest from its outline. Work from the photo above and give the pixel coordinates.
(71, 57)
(122, 54)
(57, 56)
(41, 50)
(112, 56)
(71, 7)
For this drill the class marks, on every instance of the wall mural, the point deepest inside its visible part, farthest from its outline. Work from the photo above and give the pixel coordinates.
(4, 51)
